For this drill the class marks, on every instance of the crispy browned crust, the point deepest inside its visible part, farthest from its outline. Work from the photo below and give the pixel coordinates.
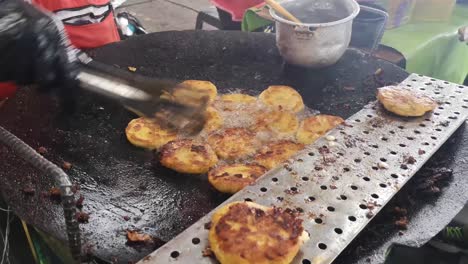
(316, 126)
(233, 143)
(404, 102)
(244, 232)
(233, 178)
(276, 152)
(185, 156)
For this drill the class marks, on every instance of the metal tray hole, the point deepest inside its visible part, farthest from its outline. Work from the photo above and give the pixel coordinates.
(346, 169)
(402, 145)
(374, 146)
(274, 179)
(384, 139)
(338, 231)
(331, 208)
(175, 254)
(383, 159)
(428, 83)
(461, 87)
(409, 85)
(322, 246)
(383, 185)
(392, 132)
(374, 195)
(453, 117)
(434, 138)
(465, 100)
(436, 92)
(414, 80)
(357, 120)
(263, 189)
(352, 218)
(248, 200)
(323, 187)
(447, 103)
(426, 143)
(340, 154)
(366, 153)
(363, 206)
(366, 178)
(365, 132)
(305, 178)
(195, 241)
(401, 127)
(318, 168)
(311, 154)
(300, 210)
(375, 168)
(370, 116)
(279, 198)
(403, 166)
(394, 175)
(441, 107)
(318, 220)
(393, 152)
(422, 125)
(357, 160)
(438, 129)
(435, 113)
(427, 119)
(343, 197)
(422, 89)
(311, 198)
(354, 187)
(306, 261)
(294, 189)
(465, 106)
(457, 113)
(417, 132)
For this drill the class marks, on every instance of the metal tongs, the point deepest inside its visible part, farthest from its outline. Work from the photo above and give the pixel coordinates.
(148, 97)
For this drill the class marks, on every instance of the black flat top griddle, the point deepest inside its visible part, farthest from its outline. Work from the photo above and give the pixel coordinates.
(123, 186)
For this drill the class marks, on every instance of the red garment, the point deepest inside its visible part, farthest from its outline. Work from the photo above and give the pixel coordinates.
(236, 8)
(83, 36)
(89, 35)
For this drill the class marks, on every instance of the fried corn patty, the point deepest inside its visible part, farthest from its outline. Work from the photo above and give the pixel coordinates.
(185, 156)
(233, 143)
(214, 120)
(233, 178)
(281, 122)
(194, 91)
(146, 133)
(274, 153)
(238, 98)
(249, 233)
(404, 102)
(316, 126)
(282, 98)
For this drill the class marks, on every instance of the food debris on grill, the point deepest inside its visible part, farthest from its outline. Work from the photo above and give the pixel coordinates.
(42, 150)
(369, 214)
(54, 194)
(400, 211)
(207, 225)
(421, 152)
(82, 217)
(409, 160)
(126, 217)
(66, 165)
(29, 191)
(402, 223)
(79, 202)
(134, 236)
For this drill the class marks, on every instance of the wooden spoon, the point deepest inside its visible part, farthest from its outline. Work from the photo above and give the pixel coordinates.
(278, 8)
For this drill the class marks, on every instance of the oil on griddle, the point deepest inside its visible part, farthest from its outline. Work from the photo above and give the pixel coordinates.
(122, 188)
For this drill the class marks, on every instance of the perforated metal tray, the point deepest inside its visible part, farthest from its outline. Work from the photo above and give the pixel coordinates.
(339, 186)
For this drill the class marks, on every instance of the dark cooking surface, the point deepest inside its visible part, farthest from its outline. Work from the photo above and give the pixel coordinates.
(119, 181)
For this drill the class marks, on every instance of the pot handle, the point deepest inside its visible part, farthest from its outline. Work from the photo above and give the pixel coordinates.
(382, 28)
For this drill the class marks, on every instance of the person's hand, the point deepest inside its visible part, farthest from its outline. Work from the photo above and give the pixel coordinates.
(34, 49)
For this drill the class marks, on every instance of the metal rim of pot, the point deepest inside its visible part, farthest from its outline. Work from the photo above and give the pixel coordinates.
(356, 10)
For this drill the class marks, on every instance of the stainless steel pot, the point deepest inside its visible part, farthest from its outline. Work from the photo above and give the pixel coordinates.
(322, 37)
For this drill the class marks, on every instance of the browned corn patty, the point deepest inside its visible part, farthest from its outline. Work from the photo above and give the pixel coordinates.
(233, 178)
(233, 143)
(404, 102)
(316, 126)
(274, 153)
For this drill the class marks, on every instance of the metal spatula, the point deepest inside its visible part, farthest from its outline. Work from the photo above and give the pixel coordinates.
(145, 96)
